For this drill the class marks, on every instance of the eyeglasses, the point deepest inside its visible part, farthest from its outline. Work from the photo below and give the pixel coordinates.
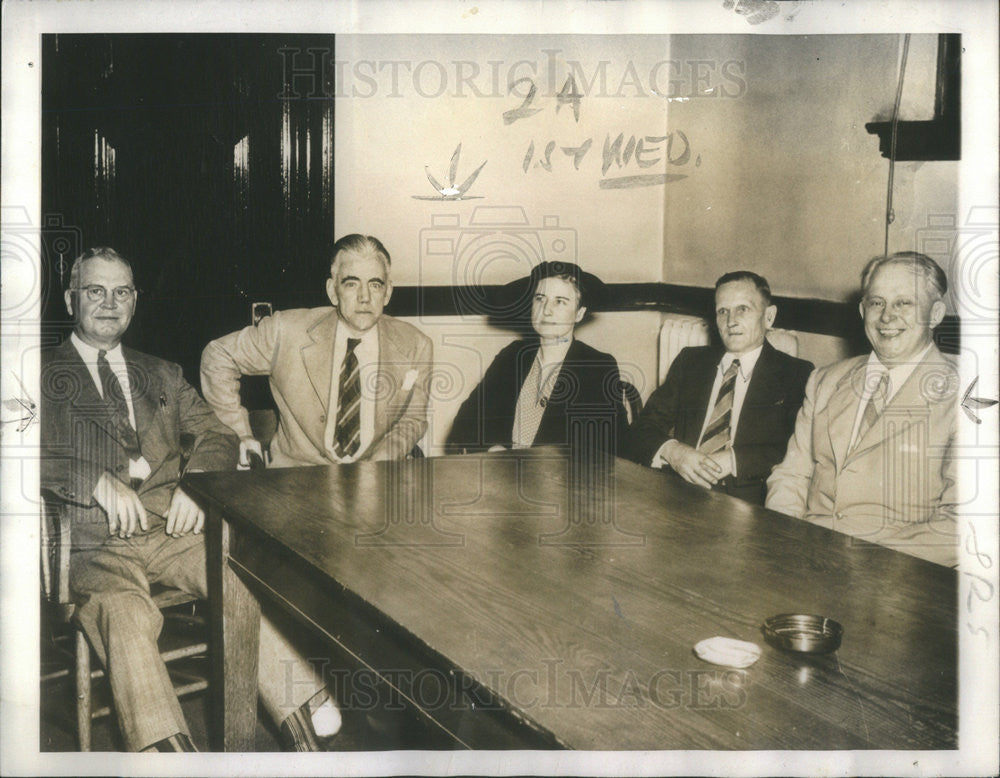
(98, 294)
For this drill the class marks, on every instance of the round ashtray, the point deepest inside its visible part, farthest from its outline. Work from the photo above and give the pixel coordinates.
(803, 633)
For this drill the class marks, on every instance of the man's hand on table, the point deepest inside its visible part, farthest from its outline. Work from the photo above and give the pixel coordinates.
(249, 446)
(184, 515)
(694, 466)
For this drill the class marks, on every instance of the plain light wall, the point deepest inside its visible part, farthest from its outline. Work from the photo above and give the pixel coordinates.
(390, 127)
(791, 184)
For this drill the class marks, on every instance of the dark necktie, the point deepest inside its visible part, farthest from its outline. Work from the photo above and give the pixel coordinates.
(348, 432)
(115, 399)
(716, 436)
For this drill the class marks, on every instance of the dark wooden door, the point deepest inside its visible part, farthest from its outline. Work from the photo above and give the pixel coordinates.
(188, 155)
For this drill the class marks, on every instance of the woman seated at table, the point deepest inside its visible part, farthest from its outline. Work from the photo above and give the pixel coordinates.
(547, 389)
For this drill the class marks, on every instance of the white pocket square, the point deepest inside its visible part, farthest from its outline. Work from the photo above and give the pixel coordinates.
(409, 380)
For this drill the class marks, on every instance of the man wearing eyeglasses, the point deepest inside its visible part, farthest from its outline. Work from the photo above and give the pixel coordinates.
(872, 454)
(111, 425)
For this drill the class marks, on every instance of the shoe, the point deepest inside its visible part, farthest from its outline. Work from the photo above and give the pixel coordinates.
(298, 732)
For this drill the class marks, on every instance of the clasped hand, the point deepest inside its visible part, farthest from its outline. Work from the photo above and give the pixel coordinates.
(696, 467)
(126, 513)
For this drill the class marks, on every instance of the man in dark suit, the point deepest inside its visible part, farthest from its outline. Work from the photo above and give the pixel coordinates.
(723, 416)
(111, 426)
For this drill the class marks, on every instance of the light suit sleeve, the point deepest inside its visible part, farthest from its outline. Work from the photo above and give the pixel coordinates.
(250, 351)
(788, 484)
(411, 405)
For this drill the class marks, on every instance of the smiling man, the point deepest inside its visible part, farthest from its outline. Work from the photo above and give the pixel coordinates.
(111, 463)
(723, 415)
(872, 453)
(350, 383)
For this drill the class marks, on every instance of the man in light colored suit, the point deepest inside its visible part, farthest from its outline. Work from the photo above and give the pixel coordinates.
(112, 420)
(872, 452)
(350, 384)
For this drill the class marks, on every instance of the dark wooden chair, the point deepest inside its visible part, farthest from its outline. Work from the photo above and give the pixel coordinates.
(59, 608)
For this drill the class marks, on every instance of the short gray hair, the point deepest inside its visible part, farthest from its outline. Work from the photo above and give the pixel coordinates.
(98, 252)
(363, 244)
(934, 276)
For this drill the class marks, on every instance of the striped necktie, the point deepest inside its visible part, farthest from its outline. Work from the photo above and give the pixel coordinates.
(716, 436)
(348, 432)
(873, 409)
(114, 396)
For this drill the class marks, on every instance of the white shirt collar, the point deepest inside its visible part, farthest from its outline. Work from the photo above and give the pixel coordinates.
(897, 375)
(89, 354)
(368, 337)
(747, 361)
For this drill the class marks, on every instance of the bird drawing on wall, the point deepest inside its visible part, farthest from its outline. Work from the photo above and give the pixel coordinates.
(451, 192)
(972, 404)
(23, 408)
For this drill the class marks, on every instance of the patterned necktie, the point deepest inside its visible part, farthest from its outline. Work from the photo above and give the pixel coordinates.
(114, 396)
(348, 432)
(716, 436)
(873, 409)
(530, 407)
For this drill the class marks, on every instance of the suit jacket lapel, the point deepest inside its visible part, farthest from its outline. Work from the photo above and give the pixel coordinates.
(763, 388)
(145, 391)
(317, 356)
(565, 379)
(842, 410)
(390, 361)
(88, 400)
(157, 444)
(699, 394)
(909, 402)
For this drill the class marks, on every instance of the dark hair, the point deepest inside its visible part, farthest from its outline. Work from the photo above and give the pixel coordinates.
(570, 279)
(360, 243)
(98, 252)
(590, 288)
(935, 277)
(746, 275)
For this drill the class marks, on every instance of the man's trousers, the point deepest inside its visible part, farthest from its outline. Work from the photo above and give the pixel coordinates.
(110, 585)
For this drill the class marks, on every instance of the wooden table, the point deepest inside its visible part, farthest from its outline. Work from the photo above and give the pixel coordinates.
(513, 605)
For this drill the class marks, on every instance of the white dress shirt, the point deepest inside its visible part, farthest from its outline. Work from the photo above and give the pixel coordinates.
(745, 372)
(874, 369)
(367, 354)
(137, 468)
